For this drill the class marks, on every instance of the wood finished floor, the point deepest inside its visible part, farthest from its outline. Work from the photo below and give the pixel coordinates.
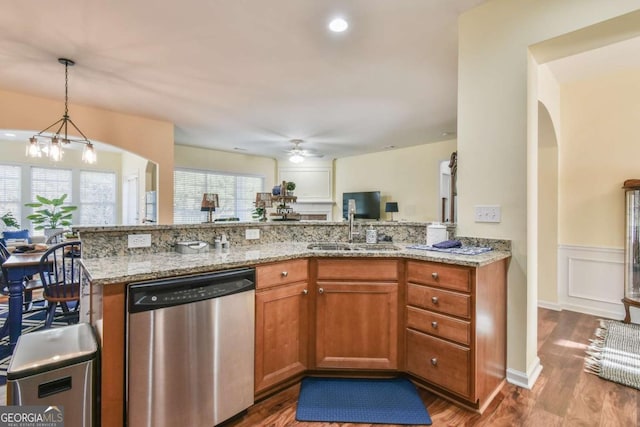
(564, 394)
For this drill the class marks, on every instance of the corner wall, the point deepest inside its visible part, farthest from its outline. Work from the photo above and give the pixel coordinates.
(496, 119)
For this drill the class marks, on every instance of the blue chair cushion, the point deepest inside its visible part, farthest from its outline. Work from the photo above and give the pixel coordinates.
(20, 234)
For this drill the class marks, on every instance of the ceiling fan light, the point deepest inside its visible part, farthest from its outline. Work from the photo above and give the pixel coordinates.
(296, 158)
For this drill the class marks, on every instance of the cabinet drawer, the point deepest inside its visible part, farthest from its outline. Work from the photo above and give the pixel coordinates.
(358, 269)
(439, 325)
(442, 275)
(439, 300)
(442, 363)
(281, 273)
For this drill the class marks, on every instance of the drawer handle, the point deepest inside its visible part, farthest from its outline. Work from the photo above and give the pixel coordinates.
(434, 325)
(321, 291)
(434, 275)
(434, 361)
(305, 292)
(284, 273)
(434, 300)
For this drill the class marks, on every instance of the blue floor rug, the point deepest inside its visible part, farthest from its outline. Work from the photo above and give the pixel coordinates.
(30, 322)
(378, 401)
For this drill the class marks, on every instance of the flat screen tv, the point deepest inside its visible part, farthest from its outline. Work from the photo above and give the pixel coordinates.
(367, 204)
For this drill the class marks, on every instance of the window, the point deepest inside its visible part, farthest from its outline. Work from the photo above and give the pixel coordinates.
(10, 191)
(51, 183)
(97, 198)
(94, 192)
(236, 194)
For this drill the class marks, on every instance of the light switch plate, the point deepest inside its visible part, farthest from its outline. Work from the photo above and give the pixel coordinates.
(488, 213)
(139, 241)
(252, 233)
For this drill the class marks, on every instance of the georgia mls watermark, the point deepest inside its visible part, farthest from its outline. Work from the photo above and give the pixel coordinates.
(31, 416)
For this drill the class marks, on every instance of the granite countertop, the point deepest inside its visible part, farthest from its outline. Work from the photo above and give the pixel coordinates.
(132, 268)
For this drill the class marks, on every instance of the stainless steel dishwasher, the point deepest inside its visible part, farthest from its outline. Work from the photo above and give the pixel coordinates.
(190, 349)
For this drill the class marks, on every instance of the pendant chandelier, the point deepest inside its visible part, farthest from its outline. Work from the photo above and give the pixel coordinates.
(56, 139)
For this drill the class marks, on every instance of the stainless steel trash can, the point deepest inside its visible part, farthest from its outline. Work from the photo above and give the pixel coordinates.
(57, 367)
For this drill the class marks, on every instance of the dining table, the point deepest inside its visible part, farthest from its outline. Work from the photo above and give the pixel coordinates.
(17, 267)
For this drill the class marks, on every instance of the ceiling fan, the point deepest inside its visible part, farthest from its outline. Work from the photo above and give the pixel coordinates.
(298, 154)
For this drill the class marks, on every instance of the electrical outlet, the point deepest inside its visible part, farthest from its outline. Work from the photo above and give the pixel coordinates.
(252, 233)
(139, 240)
(488, 213)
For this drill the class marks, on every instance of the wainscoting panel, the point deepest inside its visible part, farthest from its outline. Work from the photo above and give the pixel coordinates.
(590, 280)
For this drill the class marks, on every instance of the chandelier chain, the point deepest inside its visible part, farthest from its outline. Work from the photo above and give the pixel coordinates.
(66, 89)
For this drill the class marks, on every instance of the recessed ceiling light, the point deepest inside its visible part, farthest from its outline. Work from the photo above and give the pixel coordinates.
(9, 134)
(338, 25)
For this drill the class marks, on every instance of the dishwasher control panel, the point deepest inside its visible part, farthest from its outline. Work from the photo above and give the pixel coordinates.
(153, 295)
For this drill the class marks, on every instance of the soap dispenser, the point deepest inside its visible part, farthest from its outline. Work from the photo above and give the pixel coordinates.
(224, 242)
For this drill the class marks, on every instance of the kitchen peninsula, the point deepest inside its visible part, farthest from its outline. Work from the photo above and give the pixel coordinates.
(439, 318)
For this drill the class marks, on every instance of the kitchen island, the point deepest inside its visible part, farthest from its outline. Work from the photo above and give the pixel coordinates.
(439, 318)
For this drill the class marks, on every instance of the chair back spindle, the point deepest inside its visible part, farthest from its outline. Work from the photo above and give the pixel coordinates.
(60, 276)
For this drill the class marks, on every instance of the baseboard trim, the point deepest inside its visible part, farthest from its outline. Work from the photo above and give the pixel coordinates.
(523, 379)
(550, 305)
(607, 314)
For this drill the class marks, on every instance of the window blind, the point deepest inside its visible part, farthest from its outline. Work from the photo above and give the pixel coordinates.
(97, 198)
(51, 183)
(236, 194)
(10, 191)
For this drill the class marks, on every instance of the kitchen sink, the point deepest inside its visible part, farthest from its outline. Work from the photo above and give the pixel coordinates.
(334, 246)
(375, 247)
(329, 246)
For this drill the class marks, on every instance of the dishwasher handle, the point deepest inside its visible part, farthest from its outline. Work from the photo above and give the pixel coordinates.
(156, 294)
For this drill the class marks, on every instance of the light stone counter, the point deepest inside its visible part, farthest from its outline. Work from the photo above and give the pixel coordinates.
(132, 268)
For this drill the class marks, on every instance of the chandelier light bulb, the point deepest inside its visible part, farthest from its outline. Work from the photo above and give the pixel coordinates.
(89, 154)
(55, 150)
(33, 148)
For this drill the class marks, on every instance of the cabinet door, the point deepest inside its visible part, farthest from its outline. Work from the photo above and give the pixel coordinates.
(356, 325)
(282, 316)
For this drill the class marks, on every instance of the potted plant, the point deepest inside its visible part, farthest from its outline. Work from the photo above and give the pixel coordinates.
(9, 220)
(290, 187)
(50, 214)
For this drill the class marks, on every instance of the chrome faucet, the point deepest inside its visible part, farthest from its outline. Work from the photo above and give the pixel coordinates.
(352, 214)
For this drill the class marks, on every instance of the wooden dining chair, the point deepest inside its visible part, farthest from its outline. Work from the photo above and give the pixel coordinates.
(60, 277)
(56, 237)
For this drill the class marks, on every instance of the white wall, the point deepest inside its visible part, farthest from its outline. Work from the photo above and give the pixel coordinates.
(599, 151)
(409, 176)
(496, 119)
(222, 161)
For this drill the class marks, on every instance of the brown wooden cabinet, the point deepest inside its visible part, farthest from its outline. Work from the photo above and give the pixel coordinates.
(356, 322)
(456, 329)
(282, 322)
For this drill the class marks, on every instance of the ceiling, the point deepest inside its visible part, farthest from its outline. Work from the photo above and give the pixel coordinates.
(248, 75)
(609, 59)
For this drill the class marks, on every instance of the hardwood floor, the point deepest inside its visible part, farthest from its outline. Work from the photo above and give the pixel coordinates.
(564, 394)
